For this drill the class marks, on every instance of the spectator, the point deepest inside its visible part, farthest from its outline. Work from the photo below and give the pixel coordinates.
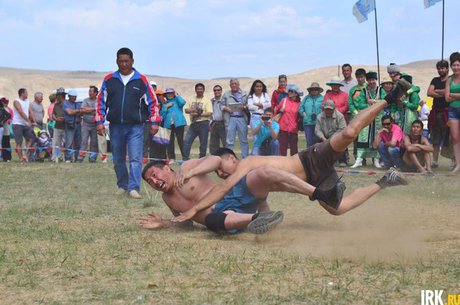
(154, 86)
(417, 150)
(5, 116)
(423, 115)
(279, 93)
(355, 92)
(59, 126)
(388, 142)
(234, 103)
(394, 71)
(309, 109)
(6, 141)
(23, 121)
(330, 122)
(288, 110)
(348, 81)
(266, 135)
(157, 149)
(38, 109)
(339, 97)
(387, 85)
(199, 108)
(174, 119)
(258, 101)
(146, 137)
(120, 99)
(409, 106)
(367, 97)
(51, 122)
(43, 146)
(439, 115)
(88, 127)
(72, 117)
(103, 142)
(217, 127)
(452, 96)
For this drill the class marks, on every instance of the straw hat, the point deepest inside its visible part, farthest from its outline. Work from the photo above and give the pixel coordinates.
(335, 81)
(315, 85)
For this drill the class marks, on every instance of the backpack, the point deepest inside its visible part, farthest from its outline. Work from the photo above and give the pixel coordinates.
(4, 115)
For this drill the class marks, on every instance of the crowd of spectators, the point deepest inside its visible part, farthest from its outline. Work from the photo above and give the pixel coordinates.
(409, 135)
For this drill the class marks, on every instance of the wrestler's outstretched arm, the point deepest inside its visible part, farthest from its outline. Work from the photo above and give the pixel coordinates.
(199, 167)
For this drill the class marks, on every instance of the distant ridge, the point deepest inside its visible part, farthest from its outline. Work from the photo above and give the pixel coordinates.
(11, 79)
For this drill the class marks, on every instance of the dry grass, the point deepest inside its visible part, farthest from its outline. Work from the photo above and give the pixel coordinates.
(66, 238)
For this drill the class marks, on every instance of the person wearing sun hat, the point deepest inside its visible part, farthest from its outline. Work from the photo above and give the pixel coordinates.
(339, 97)
(368, 96)
(72, 117)
(288, 113)
(309, 109)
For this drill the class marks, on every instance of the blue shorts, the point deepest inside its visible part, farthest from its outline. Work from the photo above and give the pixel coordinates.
(239, 200)
(454, 113)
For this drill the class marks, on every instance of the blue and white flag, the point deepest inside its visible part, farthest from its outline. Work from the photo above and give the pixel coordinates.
(362, 8)
(429, 3)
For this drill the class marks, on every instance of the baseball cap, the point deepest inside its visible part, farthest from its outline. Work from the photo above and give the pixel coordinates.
(329, 104)
(72, 92)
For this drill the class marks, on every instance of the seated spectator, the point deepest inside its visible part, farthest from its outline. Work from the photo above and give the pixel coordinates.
(43, 151)
(417, 150)
(330, 122)
(388, 142)
(266, 135)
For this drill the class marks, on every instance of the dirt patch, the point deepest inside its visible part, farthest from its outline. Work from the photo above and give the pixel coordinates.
(381, 231)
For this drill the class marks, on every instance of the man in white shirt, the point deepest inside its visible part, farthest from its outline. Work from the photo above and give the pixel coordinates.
(23, 121)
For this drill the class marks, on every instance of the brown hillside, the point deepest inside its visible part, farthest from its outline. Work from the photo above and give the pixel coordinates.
(12, 79)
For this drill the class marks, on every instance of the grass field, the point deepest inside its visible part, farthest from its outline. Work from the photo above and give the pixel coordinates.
(66, 238)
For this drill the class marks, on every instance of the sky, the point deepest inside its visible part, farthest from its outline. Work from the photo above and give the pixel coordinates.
(204, 39)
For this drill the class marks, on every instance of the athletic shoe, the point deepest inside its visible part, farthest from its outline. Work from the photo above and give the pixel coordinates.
(120, 191)
(134, 194)
(265, 221)
(358, 163)
(392, 178)
(377, 163)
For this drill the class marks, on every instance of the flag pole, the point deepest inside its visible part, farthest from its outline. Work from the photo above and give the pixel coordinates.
(377, 40)
(442, 44)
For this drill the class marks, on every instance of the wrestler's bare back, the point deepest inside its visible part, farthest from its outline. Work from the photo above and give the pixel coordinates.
(290, 164)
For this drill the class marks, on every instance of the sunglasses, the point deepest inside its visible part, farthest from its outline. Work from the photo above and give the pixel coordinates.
(217, 90)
